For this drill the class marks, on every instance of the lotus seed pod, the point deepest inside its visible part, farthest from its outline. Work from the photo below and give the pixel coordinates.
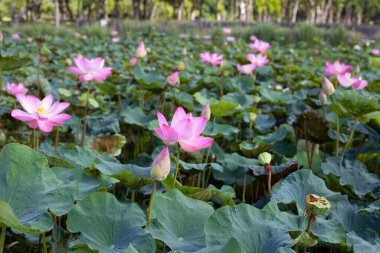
(252, 116)
(161, 165)
(316, 204)
(327, 87)
(265, 158)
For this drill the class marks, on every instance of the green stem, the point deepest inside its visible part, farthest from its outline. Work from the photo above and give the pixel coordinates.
(176, 170)
(151, 201)
(348, 144)
(33, 138)
(244, 187)
(38, 140)
(2, 237)
(85, 117)
(337, 135)
(56, 140)
(44, 243)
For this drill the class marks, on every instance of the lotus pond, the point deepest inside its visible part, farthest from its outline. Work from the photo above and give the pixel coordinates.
(168, 144)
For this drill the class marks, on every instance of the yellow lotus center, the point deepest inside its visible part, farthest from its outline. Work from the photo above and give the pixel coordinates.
(41, 111)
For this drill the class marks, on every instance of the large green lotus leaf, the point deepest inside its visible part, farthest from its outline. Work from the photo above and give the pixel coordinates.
(12, 63)
(9, 219)
(132, 175)
(349, 215)
(220, 108)
(149, 80)
(273, 137)
(361, 245)
(222, 197)
(231, 246)
(245, 101)
(135, 116)
(252, 234)
(200, 166)
(264, 122)
(277, 97)
(350, 103)
(178, 221)
(295, 187)
(108, 226)
(103, 125)
(373, 207)
(185, 99)
(30, 187)
(353, 177)
(218, 130)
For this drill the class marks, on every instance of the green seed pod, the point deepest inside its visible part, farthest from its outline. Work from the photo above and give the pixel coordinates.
(252, 116)
(316, 204)
(265, 158)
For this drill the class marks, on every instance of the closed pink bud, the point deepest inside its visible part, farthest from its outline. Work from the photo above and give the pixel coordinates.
(173, 78)
(141, 51)
(322, 96)
(206, 111)
(161, 165)
(327, 87)
(133, 61)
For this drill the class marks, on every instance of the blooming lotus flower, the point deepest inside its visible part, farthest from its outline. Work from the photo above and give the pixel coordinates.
(346, 80)
(15, 36)
(173, 78)
(246, 69)
(161, 165)
(133, 61)
(259, 46)
(90, 70)
(212, 59)
(253, 37)
(41, 114)
(206, 111)
(230, 38)
(114, 33)
(327, 86)
(141, 51)
(336, 68)
(227, 30)
(357, 47)
(359, 84)
(116, 40)
(29, 39)
(375, 51)
(184, 129)
(14, 89)
(258, 61)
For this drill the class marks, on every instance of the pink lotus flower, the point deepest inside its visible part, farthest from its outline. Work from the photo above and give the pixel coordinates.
(141, 51)
(212, 59)
(346, 80)
(161, 165)
(227, 30)
(116, 40)
(41, 114)
(230, 38)
(173, 78)
(114, 33)
(246, 69)
(359, 84)
(14, 89)
(336, 68)
(258, 61)
(184, 129)
(90, 70)
(15, 36)
(29, 39)
(252, 37)
(259, 46)
(375, 51)
(133, 61)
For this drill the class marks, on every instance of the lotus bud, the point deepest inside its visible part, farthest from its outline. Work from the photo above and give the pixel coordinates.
(206, 111)
(141, 51)
(173, 78)
(252, 116)
(265, 158)
(184, 51)
(322, 96)
(181, 66)
(133, 61)
(316, 204)
(327, 87)
(161, 165)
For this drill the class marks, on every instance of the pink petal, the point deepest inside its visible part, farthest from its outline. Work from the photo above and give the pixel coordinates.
(56, 108)
(22, 99)
(184, 129)
(45, 125)
(167, 134)
(179, 115)
(196, 143)
(59, 119)
(21, 115)
(74, 70)
(161, 119)
(198, 125)
(33, 124)
(47, 101)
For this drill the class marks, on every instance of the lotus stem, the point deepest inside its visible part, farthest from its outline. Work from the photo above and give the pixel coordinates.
(33, 138)
(38, 140)
(176, 169)
(2, 238)
(348, 144)
(268, 169)
(244, 187)
(204, 171)
(337, 135)
(44, 243)
(56, 140)
(151, 201)
(85, 117)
